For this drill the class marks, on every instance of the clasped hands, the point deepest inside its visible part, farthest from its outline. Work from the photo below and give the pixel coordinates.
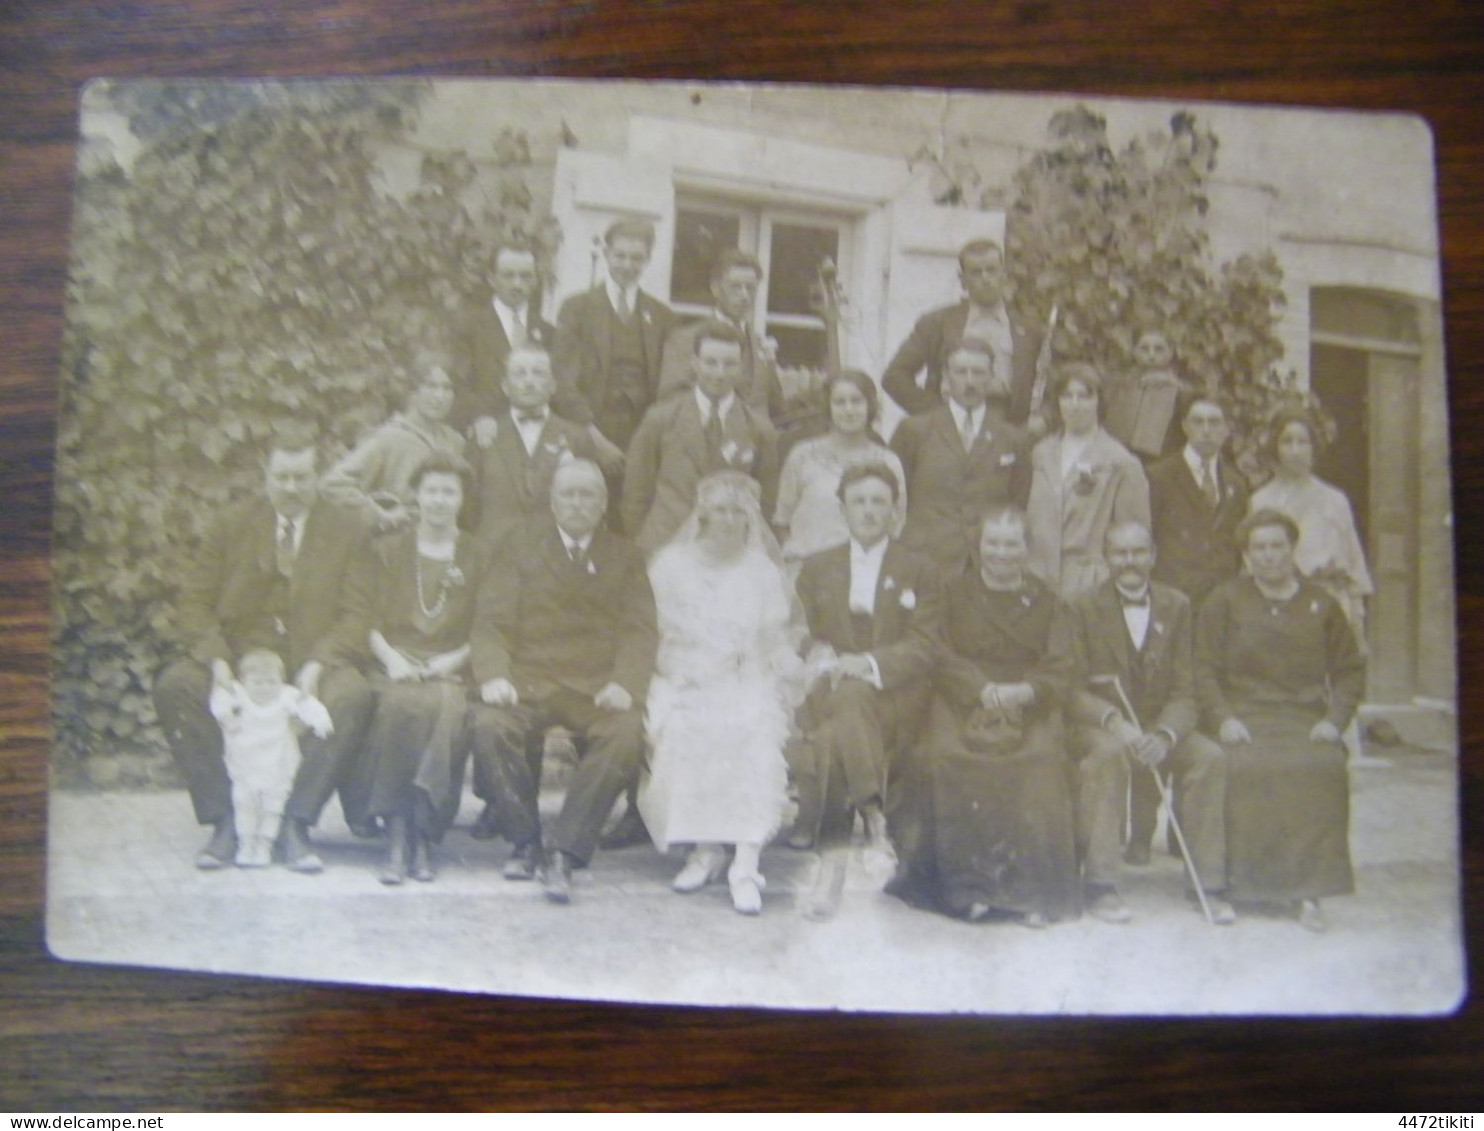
(401, 669)
(1234, 730)
(500, 692)
(826, 662)
(1006, 697)
(1148, 747)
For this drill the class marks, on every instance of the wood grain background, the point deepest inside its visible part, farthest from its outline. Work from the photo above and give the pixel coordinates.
(75, 1038)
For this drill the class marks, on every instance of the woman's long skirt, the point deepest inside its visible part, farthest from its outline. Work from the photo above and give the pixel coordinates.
(415, 754)
(990, 829)
(1287, 810)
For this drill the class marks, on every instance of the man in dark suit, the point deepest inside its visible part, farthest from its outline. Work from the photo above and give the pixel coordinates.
(874, 612)
(1196, 499)
(609, 345)
(1138, 633)
(705, 429)
(487, 331)
(981, 315)
(564, 635)
(735, 279)
(530, 442)
(961, 459)
(270, 575)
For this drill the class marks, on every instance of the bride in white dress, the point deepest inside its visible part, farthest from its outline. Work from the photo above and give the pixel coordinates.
(726, 681)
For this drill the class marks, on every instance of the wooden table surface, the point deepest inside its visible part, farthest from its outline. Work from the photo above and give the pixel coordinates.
(77, 1038)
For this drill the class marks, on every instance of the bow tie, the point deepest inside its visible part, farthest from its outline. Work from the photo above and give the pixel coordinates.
(530, 417)
(1139, 602)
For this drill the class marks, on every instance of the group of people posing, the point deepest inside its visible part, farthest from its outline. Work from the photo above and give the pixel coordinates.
(994, 652)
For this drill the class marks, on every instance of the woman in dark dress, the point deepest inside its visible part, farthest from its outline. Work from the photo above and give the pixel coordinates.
(417, 604)
(1278, 676)
(985, 829)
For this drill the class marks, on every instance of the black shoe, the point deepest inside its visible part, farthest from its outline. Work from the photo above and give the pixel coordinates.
(220, 850)
(627, 832)
(556, 877)
(1136, 854)
(523, 863)
(487, 827)
(298, 853)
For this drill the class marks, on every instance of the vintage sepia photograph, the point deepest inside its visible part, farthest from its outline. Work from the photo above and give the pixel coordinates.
(801, 547)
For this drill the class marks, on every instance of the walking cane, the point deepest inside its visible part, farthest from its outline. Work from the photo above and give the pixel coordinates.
(1164, 793)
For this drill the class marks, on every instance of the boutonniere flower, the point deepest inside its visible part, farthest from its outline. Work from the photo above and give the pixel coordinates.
(1158, 628)
(736, 456)
(591, 568)
(888, 584)
(1313, 606)
(729, 450)
(1084, 478)
(454, 577)
(537, 334)
(1025, 599)
(908, 600)
(1007, 459)
(647, 316)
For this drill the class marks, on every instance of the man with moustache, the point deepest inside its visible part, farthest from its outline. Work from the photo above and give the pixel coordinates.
(1139, 633)
(609, 345)
(270, 574)
(564, 635)
(981, 315)
(874, 612)
(498, 322)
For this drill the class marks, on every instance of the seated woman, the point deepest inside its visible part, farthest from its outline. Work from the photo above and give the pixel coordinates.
(726, 680)
(375, 476)
(1082, 483)
(808, 516)
(416, 602)
(1328, 550)
(1278, 676)
(985, 823)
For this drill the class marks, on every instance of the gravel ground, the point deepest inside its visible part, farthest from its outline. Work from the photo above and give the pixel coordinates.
(122, 889)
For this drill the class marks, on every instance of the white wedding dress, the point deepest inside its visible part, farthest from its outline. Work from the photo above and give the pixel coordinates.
(720, 705)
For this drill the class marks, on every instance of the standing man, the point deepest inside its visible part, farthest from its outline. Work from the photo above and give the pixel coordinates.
(1138, 633)
(610, 342)
(961, 459)
(564, 635)
(708, 427)
(981, 315)
(1196, 499)
(874, 612)
(496, 324)
(271, 574)
(735, 280)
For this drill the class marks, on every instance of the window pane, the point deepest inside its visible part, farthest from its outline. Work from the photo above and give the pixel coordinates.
(796, 253)
(700, 237)
(798, 346)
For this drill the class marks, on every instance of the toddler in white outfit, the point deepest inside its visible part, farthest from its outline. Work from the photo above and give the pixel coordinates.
(260, 716)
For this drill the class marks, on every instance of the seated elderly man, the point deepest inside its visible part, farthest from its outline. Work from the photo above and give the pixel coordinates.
(1131, 640)
(564, 635)
(873, 609)
(271, 574)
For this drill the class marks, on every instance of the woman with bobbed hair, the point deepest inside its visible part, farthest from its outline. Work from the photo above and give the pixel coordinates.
(1278, 677)
(414, 602)
(985, 829)
(807, 515)
(1328, 550)
(1083, 482)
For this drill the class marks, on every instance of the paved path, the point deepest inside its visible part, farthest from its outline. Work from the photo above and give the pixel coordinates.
(123, 890)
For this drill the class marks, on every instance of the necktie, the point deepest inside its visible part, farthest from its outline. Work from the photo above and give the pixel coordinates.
(968, 431)
(517, 330)
(625, 308)
(1134, 602)
(286, 548)
(530, 417)
(578, 555)
(1208, 483)
(712, 429)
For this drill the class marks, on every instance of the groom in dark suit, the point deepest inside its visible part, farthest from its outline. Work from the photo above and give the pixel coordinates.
(564, 635)
(874, 612)
(1138, 633)
(982, 315)
(270, 575)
